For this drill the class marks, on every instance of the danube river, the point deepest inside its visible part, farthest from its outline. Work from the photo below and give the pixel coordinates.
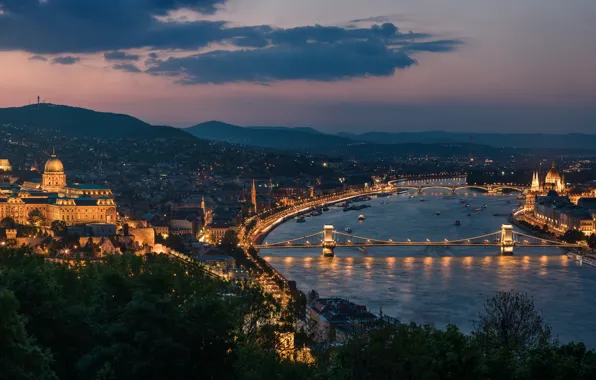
(438, 285)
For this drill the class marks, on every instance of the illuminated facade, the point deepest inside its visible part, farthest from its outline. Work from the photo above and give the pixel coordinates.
(551, 203)
(54, 199)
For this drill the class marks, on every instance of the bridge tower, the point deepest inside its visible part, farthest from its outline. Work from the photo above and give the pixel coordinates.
(507, 242)
(328, 241)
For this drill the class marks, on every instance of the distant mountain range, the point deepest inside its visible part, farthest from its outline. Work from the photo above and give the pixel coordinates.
(299, 139)
(511, 140)
(73, 121)
(311, 139)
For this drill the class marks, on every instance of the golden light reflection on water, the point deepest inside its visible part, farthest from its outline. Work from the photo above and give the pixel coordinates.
(526, 263)
(288, 260)
(391, 262)
(428, 263)
(446, 263)
(349, 267)
(487, 260)
(408, 263)
(564, 261)
(468, 262)
(307, 262)
(543, 266)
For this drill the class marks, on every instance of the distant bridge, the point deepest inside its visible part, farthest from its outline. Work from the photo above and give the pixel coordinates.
(454, 188)
(329, 239)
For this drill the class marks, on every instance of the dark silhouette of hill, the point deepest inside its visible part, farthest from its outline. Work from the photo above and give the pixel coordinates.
(74, 121)
(512, 140)
(297, 139)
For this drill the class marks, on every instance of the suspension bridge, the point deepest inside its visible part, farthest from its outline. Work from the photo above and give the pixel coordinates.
(329, 239)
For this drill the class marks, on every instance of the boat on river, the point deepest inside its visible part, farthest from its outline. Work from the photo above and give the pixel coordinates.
(325, 208)
(363, 249)
(361, 217)
(348, 230)
(438, 213)
(457, 223)
(300, 220)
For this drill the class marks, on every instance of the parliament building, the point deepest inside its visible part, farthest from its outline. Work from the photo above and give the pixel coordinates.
(53, 198)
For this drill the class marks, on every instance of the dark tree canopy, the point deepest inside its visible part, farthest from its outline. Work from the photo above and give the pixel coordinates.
(574, 236)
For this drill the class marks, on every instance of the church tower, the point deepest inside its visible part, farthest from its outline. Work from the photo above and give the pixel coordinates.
(253, 197)
(53, 178)
(535, 181)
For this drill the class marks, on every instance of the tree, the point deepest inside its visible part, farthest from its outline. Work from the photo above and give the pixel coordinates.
(511, 322)
(229, 242)
(58, 227)
(592, 241)
(7, 223)
(573, 236)
(36, 217)
(408, 352)
(20, 357)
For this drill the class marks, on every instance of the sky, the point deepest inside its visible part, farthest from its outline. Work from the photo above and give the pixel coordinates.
(335, 65)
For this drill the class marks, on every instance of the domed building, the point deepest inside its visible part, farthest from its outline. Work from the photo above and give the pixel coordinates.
(5, 165)
(554, 179)
(53, 178)
(55, 199)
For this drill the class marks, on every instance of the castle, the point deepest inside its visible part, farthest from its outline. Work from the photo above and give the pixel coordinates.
(41, 203)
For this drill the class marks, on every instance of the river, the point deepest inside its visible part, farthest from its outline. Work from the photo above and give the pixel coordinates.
(438, 285)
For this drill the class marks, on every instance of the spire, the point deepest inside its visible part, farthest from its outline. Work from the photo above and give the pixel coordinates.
(53, 151)
(554, 166)
(253, 196)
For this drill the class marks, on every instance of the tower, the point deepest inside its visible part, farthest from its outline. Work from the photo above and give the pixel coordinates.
(535, 181)
(253, 197)
(38, 102)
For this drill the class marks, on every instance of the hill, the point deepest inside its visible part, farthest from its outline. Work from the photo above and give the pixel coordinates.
(298, 139)
(74, 121)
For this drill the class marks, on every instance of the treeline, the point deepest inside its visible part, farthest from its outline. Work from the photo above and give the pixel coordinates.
(153, 318)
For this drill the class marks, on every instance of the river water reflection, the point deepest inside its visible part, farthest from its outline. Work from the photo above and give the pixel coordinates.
(439, 285)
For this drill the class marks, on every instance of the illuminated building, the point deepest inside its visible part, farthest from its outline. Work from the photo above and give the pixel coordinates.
(551, 203)
(54, 199)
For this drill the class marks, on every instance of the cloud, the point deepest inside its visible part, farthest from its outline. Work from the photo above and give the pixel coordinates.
(120, 56)
(128, 67)
(313, 61)
(84, 26)
(38, 58)
(439, 46)
(260, 54)
(66, 60)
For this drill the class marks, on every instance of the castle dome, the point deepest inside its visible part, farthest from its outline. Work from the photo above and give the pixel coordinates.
(553, 175)
(54, 165)
(5, 165)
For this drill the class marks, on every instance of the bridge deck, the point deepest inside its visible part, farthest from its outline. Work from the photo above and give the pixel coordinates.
(415, 244)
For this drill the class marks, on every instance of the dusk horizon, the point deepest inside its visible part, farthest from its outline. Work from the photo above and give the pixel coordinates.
(334, 66)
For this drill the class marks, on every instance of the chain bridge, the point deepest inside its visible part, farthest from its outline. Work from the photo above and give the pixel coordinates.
(329, 239)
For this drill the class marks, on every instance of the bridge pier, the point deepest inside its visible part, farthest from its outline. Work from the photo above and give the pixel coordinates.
(328, 241)
(507, 242)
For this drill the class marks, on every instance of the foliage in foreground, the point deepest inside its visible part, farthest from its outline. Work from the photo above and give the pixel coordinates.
(152, 318)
